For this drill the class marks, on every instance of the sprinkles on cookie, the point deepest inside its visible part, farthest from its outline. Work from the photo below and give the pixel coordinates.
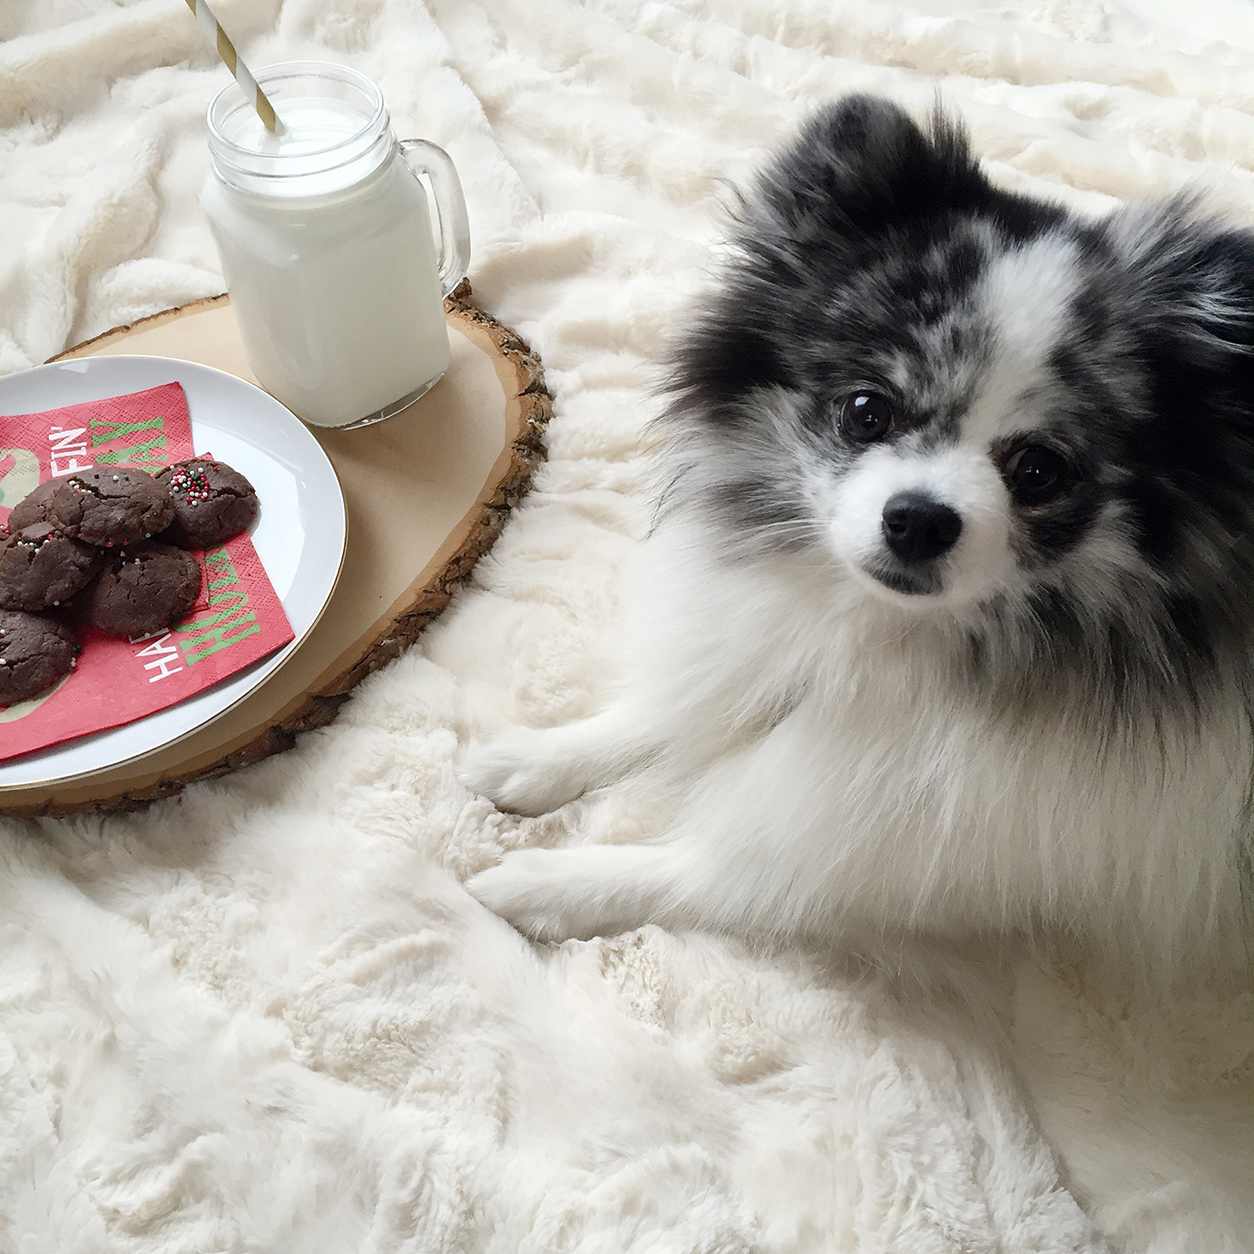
(191, 484)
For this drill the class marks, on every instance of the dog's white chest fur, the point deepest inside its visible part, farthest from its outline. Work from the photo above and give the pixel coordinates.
(836, 779)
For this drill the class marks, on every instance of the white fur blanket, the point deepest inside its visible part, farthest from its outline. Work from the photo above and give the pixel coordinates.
(266, 1016)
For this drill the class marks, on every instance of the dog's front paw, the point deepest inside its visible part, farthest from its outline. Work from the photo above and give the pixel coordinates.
(525, 891)
(523, 771)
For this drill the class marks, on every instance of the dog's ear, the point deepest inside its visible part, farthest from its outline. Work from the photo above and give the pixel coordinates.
(1194, 274)
(1187, 305)
(862, 166)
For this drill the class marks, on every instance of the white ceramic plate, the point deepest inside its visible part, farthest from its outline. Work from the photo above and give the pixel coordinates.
(299, 534)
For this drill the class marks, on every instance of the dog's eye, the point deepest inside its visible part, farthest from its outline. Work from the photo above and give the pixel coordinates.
(866, 416)
(1036, 474)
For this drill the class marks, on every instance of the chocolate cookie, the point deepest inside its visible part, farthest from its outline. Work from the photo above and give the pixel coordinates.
(33, 507)
(40, 567)
(34, 653)
(109, 506)
(212, 502)
(141, 590)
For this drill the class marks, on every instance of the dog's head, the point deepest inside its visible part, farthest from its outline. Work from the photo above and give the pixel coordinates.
(978, 404)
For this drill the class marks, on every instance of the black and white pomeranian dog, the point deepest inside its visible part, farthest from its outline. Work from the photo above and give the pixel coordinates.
(948, 625)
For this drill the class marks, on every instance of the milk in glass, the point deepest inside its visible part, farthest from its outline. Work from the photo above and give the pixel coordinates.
(327, 244)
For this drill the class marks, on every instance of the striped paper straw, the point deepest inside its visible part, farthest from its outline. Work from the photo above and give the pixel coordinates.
(243, 76)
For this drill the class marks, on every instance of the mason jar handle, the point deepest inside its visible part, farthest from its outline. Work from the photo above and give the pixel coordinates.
(424, 157)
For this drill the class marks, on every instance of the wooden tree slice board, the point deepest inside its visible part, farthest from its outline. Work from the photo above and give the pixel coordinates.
(427, 493)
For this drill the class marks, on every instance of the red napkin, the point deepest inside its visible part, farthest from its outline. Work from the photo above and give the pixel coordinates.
(238, 620)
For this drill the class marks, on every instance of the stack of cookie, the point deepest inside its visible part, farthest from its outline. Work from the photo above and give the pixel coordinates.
(107, 548)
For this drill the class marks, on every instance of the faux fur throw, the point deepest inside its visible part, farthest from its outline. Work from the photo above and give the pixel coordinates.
(266, 1016)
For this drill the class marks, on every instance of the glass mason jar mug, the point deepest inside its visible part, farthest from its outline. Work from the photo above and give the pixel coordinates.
(327, 246)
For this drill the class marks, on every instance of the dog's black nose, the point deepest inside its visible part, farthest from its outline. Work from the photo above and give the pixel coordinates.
(917, 528)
